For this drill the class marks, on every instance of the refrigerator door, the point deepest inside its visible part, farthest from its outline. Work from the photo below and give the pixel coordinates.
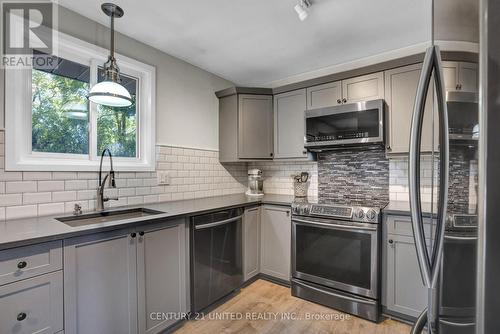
(450, 172)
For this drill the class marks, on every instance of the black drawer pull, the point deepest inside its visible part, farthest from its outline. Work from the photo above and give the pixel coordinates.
(21, 316)
(22, 264)
(133, 234)
(141, 233)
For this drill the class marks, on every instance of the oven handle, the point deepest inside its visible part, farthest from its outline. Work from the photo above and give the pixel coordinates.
(339, 226)
(353, 299)
(449, 237)
(222, 222)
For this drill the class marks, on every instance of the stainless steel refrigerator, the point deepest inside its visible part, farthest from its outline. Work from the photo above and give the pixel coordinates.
(448, 252)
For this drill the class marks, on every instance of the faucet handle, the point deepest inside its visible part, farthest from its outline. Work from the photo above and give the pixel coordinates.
(77, 210)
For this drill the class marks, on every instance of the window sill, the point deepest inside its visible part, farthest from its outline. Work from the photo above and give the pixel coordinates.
(63, 165)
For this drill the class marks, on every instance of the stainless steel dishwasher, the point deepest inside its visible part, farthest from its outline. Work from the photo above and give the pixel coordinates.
(216, 257)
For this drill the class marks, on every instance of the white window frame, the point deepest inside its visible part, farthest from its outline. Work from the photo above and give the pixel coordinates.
(18, 111)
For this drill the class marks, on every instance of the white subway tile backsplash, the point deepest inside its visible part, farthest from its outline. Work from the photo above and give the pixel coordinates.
(13, 187)
(75, 185)
(24, 211)
(50, 185)
(37, 176)
(50, 209)
(62, 196)
(34, 198)
(11, 199)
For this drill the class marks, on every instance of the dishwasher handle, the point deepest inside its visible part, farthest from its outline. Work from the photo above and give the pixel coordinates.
(221, 222)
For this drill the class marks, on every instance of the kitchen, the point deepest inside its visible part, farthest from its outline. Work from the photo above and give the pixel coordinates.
(156, 182)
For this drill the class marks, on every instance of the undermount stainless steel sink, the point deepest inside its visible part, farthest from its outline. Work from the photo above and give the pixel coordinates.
(107, 216)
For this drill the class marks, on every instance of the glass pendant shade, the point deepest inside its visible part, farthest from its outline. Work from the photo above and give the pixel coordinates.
(111, 94)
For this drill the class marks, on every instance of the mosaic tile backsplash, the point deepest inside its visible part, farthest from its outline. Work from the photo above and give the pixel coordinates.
(354, 176)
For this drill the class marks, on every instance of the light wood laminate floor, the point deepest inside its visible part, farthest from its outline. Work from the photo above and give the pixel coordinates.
(244, 314)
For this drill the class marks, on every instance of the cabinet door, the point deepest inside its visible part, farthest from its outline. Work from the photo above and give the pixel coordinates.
(228, 128)
(275, 242)
(255, 127)
(363, 88)
(289, 124)
(100, 283)
(400, 91)
(405, 292)
(325, 95)
(468, 77)
(33, 305)
(251, 243)
(450, 73)
(161, 275)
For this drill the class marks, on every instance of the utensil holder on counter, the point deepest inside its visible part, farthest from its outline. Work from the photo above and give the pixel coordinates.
(300, 188)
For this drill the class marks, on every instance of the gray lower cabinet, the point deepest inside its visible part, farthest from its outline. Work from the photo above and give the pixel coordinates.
(161, 276)
(404, 293)
(289, 125)
(114, 281)
(276, 228)
(251, 243)
(33, 305)
(100, 283)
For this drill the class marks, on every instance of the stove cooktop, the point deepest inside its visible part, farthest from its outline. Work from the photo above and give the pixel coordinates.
(365, 213)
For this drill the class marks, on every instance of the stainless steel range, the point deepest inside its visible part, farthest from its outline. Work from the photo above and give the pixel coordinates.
(336, 256)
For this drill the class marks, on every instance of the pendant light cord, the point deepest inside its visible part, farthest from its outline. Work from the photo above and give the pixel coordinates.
(112, 46)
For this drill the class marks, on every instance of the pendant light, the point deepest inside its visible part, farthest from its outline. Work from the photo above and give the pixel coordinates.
(110, 92)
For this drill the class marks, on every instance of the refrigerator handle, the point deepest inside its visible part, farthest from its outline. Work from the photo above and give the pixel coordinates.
(443, 165)
(414, 168)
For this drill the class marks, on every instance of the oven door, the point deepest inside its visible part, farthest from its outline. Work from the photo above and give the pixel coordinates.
(336, 255)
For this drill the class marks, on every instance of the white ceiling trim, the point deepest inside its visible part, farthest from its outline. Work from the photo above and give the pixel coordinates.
(362, 62)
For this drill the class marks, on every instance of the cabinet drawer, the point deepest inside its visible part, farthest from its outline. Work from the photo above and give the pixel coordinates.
(33, 305)
(401, 225)
(29, 261)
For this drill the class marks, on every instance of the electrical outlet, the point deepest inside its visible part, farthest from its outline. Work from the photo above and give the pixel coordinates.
(163, 177)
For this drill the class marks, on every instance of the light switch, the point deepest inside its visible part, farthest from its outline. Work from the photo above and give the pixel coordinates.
(163, 177)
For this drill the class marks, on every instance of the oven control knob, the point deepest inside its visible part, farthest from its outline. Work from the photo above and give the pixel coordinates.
(361, 214)
(371, 214)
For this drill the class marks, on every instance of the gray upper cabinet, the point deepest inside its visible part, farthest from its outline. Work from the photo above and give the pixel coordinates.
(228, 128)
(366, 87)
(400, 91)
(100, 283)
(161, 282)
(460, 76)
(276, 229)
(362, 88)
(251, 243)
(289, 125)
(245, 127)
(255, 126)
(326, 95)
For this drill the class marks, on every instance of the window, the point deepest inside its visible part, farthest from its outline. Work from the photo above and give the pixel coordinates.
(53, 126)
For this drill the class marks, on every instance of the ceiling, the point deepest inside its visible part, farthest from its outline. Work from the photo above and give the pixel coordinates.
(258, 42)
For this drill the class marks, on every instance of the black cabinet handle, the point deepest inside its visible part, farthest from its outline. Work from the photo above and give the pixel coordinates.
(141, 233)
(344, 100)
(391, 241)
(271, 154)
(339, 101)
(21, 316)
(133, 234)
(304, 152)
(22, 264)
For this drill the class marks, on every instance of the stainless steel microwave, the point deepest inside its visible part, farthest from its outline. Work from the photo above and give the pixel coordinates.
(352, 124)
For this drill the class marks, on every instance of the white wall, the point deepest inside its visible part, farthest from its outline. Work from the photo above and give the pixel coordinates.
(187, 108)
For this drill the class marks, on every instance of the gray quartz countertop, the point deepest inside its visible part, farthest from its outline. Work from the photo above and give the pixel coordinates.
(403, 208)
(20, 232)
